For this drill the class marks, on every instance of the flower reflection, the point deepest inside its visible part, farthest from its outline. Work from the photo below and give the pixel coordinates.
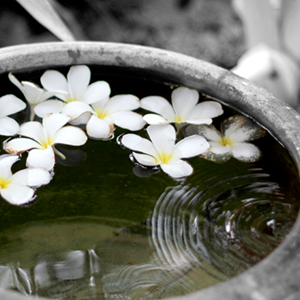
(73, 274)
(177, 265)
(178, 250)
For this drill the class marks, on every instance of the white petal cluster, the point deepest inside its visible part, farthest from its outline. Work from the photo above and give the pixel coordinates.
(64, 103)
(101, 116)
(89, 104)
(162, 150)
(41, 139)
(184, 109)
(9, 104)
(32, 92)
(75, 87)
(18, 188)
(232, 141)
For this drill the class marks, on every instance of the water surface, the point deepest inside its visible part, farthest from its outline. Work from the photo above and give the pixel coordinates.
(107, 229)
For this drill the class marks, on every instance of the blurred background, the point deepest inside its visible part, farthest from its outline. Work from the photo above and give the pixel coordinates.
(256, 39)
(206, 29)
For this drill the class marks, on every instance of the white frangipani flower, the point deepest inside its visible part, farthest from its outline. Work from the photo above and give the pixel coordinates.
(17, 188)
(32, 93)
(102, 115)
(233, 139)
(162, 150)
(41, 139)
(76, 87)
(184, 108)
(9, 104)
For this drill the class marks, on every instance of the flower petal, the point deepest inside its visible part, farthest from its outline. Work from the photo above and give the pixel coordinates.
(121, 103)
(206, 110)
(33, 130)
(32, 92)
(70, 135)
(153, 119)
(82, 119)
(241, 129)
(207, 131)
(199, 121)
(20, 145)
(16, 82)
(17, 194)
(177, 169)
(99, 106)
(6, 162)
(136, 143)
(49, 106)
(158, 105)
(54, 122)
(128, 119)
(55, 81)
(162, 136)
(246, 152)
(96, 92)
(10, 104)
(192, 146)
(98, 128)
(78, 80)
(145, 160)
(218, 153)
(33, 177)
(184, 101)
(75, 109)
(8, 126)
(41, 158)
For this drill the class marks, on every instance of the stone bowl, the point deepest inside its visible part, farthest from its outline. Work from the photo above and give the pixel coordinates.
(278, 275)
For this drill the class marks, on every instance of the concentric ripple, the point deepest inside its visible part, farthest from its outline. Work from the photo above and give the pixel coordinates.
(206, 231)
(228, 224)
(116, 235)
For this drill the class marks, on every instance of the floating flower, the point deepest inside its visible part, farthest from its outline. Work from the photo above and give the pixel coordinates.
(17, 188)
(102, 115)
(42, 139)
(75, 87)
(32, 93)
(236, 131)
(184, 110)
(9, 104)
(162, 150)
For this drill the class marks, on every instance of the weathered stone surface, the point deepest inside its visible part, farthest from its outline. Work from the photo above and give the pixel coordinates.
(277, 276)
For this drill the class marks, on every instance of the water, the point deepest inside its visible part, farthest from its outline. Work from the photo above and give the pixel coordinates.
(99, 231)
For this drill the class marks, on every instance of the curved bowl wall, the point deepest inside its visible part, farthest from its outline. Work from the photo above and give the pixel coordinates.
(278, 275)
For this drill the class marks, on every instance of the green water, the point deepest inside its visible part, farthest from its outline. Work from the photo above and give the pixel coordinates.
(99, 231)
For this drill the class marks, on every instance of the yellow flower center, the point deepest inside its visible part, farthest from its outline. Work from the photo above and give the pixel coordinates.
(4, 183)
(46, 143)
(165, 158)
(71, 100)
(226, 141)
(101, 114)
(178, 119)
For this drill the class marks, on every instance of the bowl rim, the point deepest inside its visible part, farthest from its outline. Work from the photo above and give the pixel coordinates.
(276, 276)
